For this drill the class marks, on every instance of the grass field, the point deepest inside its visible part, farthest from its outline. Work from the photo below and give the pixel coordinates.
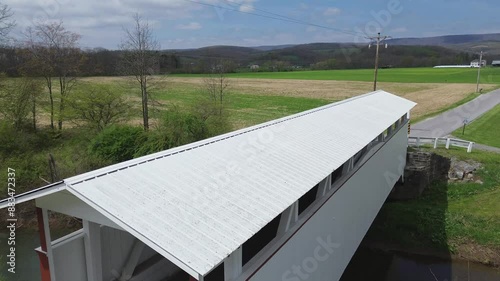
(485, 130)
(246, 107)
(462, 218)
(489, 75)
(253, 101)
(430, 97)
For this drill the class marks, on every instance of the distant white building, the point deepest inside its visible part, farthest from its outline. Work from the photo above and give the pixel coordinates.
(475, 63)
(496, 63)
(254, 67)
(452, 66)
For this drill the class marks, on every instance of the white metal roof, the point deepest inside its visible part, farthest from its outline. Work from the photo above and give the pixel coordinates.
(198, 203)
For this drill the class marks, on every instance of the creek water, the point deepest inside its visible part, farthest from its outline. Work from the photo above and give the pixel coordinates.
(381, 266)
(365, 265)
(27, 266)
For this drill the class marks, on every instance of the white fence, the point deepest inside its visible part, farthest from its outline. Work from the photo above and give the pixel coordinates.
(447, 142)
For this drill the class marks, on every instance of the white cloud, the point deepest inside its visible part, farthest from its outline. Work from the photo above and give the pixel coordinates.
(247, 8)
(189, 26)
(101, 22)
(98, 13)
(332, 11)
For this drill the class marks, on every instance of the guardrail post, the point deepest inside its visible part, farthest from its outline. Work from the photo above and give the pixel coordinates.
(418, 141)
(448, 140)
(436, 143)
(469, 149)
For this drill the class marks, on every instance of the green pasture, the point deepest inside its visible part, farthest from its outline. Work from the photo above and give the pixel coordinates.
(485, 130)
(489, 75)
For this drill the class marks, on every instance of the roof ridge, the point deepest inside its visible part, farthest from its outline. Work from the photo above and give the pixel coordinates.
(230, 135)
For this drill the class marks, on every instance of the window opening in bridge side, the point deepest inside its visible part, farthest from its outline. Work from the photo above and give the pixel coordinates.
(395, 126)
(402, 121)
(360, 155)
(388, 132)
(307, 199)
(255, 244)
(381, 137)
(336, 174)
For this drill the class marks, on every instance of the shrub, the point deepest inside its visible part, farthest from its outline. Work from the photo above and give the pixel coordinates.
(30, 169)
(209, 119)
(150, 142)
(18, 102)
(175, 128)
(9, 139)
(116, 143)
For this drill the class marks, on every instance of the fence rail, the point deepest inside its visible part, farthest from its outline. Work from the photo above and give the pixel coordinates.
(447, 142)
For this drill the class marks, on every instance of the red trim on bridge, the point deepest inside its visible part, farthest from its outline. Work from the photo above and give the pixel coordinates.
(42, 255)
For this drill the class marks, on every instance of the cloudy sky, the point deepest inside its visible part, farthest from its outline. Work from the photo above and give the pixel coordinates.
(198, 23)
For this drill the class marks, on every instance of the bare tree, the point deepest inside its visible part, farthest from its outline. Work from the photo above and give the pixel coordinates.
(141, 59)
(99, 107)
(217, 84)
(6, 24)
(53, 51)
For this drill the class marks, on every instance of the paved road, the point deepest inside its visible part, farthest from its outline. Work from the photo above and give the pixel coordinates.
(444, 124)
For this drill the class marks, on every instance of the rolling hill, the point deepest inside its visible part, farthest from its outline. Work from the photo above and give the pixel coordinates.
(447, 40)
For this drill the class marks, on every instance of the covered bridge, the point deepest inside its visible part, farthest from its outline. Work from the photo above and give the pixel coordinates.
(249, 205)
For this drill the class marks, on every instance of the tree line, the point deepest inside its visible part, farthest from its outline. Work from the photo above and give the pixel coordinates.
(103, 62)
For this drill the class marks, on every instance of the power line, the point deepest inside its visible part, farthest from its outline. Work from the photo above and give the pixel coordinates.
(297, 20)
(275, 16)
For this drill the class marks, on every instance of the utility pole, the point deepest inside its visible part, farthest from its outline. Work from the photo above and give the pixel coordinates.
(378, 39)
(479, 70)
